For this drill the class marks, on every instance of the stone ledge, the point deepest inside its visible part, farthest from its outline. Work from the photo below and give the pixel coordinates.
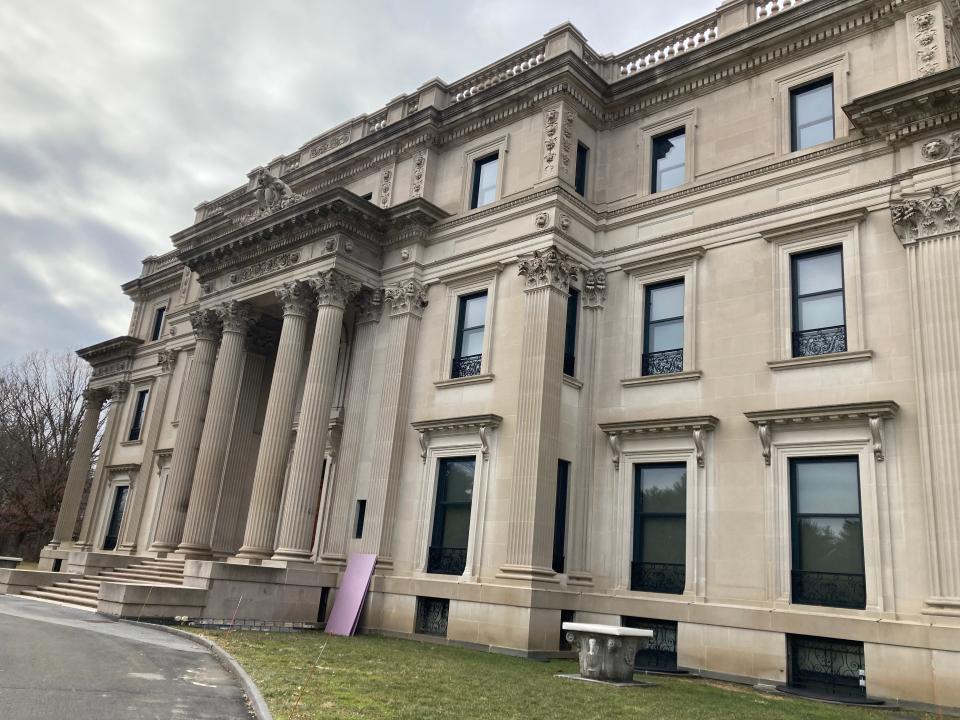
(831, 359)
(469, 380)
(667, 378)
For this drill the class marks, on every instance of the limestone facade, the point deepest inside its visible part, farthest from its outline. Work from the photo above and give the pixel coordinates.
(303, 348)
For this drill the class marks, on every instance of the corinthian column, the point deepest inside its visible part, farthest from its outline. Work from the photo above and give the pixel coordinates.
(173, 507)
(407, 300)
(530, 535)
(79, 467)
(236, 319)
(261, 528)
(334, 290)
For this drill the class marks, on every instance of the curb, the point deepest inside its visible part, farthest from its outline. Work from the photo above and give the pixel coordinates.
(257, 704)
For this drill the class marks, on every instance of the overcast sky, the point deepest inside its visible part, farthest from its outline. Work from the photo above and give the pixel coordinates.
(118, 117)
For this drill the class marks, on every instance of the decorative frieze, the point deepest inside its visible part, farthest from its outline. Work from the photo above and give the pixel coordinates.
(111, 368)
(330, 144)
(334, 288)
(418, 174)
(551, 133)
(206, 324)
(386, 187)
(923, 217)
(594, 292)
(925, 40)
(548, 267)
(406, 296)
(272, 264)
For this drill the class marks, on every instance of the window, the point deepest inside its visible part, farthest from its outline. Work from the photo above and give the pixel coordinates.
(112, 536)
(580, 177)
(158, 323)
(659, 527)
(468, 349)
(826, 532)
(139, 410)
(660, 654)
(484, 189)
(432, 614)
(451, 517)
(811, 114)
(361, 513)
(570, 338)
(663, 329)
(669, 157)
(825, 668)
(819, 326)
(560, 516)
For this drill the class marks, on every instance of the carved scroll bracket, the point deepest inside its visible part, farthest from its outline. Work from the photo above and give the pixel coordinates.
(613, 439)
(876, 435)
(763, 432)
(482, 424)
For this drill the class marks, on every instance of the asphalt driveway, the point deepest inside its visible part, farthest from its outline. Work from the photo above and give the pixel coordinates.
(57, 663)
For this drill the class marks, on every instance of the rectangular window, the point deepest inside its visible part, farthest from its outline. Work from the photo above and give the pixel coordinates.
(361, 513)
(139, 410)
(669, 160)
(570, 338)
(468, 349)
(663, 328)
(560, 516)
(819, 324)
(484, 189)
(825, 668)
(660, 654)
(826, 532)
(451, 516)
(432, 614)
(811, 114)
(158, 316)
(116, 518)
(659, 527)
(580, 177)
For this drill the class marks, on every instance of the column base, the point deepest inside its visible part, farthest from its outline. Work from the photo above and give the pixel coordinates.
(292, 555)
(528, 573)
(194, 552)
(948, 606)
(580, 577)
(162, 549)
(245, 560)
(257, 554)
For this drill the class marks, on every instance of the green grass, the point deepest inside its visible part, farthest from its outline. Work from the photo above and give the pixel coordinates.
(373, 677)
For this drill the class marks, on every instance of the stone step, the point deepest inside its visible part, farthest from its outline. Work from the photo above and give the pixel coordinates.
(68, 589)
(140, 579)
(84, 582)
(144, 571)
(163, 565)
(60, 597)
(155, 569)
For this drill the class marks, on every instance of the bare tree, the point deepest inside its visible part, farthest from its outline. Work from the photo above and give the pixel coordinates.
(41, 403)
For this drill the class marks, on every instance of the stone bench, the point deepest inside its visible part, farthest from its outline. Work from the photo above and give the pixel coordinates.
(9, 562)
(606, 652)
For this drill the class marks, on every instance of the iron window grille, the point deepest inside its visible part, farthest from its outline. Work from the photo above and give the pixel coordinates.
(668, 169)
(484, 188)
(580, 175)
(432, 614)
(659, 528)
(139, 410)
(660, 654)
(825, 668)
(570, 336)
(560, 517)
(819, 312)
(663, 328)
(468, 348)
(811, 114)
(447, 554)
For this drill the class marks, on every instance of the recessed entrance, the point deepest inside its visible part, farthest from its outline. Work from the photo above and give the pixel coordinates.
(116, 517)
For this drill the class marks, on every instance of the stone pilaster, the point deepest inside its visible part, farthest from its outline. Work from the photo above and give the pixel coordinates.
(295, 540)
(79, 468)
(261, 525)
(335, 526)
(166, 360)
(236, 319)
(547, 276)
(580, 492)
(176, 495)
(406, 301)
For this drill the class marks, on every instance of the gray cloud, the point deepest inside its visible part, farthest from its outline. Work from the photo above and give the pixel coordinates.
(118, 117)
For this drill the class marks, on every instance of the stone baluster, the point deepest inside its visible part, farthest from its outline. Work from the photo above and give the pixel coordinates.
(295, 540)
(236, 319)
(336, 523)
(407, 300)
(264, 506)
(530, 535)
(176, 495)
(167, 360)
(93, 400)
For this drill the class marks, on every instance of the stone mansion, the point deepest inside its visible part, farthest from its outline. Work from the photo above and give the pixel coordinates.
(668, 338)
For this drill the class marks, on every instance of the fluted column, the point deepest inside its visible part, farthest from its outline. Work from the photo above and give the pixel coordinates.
(261, 526)
(335, 526)
(176, 495)
(236, 319)
(133, 515)
(530, 534)
(406, 300)
(295, 540)
(592, 298)
(117, 393)
(93, 400)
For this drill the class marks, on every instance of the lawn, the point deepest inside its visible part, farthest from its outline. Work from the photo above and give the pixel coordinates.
(373, 677)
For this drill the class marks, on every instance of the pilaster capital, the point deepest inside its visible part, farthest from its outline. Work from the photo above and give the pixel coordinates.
(594, 293)
(334, 288)
(206, 324)
(296, 298)
(235, 316)
(369, 305)
(95, 397)
(117, 392)
(167, 359)
(548, 268)
(925, 215)
(407, 296)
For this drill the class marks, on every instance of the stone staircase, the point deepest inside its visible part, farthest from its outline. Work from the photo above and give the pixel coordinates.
(82, 591)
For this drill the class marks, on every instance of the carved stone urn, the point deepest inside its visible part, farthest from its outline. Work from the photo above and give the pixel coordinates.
(606, 652)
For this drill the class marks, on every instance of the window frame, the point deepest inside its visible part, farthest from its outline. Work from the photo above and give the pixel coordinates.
(138, 415)
(581, 169)
(687, 121)
(459, 284)
(654, 170)
(497, 146)
(441, 506)
(796, 297)
(156, 329)
(837, 67)
(647, 322)
(798, 90)
(477, 167)
(463, 301)
(572, 324)
(640, 517)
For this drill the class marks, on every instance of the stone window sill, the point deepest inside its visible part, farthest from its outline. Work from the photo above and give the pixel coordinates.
(125, 443)
(572, 382)
(665, 378)
(469, 380)
(830, 359)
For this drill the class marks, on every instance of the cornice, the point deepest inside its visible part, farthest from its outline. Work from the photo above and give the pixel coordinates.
(824, 413)
(695, 425)
(818, 224)
(482, 424)
(123, 346)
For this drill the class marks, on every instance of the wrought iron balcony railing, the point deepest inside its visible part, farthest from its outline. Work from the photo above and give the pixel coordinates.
(466, 366)
(821, 341)
(446, 561)
(847, 590)
(663, 363)
(658, 577)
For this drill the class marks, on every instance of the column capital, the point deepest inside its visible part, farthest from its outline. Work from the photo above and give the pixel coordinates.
(167, 359)
(296, 298)
(235, 316)
(548, 268)
(117, 392)
(407, 296)
(206, 324)
(926, 214)
(594, 293)
(95, 397)
(369, 305)
(334, 288)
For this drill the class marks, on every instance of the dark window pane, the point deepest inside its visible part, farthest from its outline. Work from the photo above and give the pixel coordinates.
(570, 334)
(361, 513)
(669, 156)
(485, 181)
(833, 545)
(819, 272)
(560, 516)
(580, 178)
(456, 526)
(666, 301)
(157, 323)
(664, 488)
(820, 311)
(664, 540)
(827, 488)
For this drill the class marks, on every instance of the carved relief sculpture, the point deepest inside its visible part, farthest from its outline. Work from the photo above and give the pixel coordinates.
(386, 187)
(594, 292)
(548, 267)
(923, 217)
(406, 296)
(926, 39)
(277, 262)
